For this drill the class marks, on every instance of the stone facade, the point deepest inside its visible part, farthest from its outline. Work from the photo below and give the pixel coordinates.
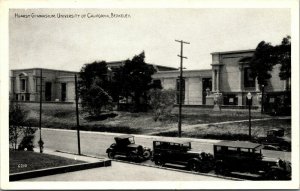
(57, 85)
(228, 82)
(231, 76)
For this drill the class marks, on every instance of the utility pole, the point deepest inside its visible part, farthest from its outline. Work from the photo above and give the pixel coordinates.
(180, 84)
(41, 99)
(77, 115)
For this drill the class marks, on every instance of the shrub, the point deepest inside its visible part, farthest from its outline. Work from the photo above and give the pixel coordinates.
(161, 102)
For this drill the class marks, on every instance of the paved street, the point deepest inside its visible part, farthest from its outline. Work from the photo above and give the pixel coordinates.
(96, 143)
(126, 172)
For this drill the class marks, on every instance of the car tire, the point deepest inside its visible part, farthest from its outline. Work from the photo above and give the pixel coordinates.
(111, 155)
(159, 162)
(220, 168)
(193, 166)
(146, 155)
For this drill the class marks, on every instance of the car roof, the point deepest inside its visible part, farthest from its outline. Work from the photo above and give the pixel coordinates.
(123, 136)
(239, 144)
(177, 141)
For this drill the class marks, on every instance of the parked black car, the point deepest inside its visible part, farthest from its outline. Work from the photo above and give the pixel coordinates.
(181, 153)
(245, 159)
(275, 140)
(125, 146)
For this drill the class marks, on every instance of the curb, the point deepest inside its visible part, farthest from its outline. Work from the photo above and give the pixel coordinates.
(57, 170)
(166, 168)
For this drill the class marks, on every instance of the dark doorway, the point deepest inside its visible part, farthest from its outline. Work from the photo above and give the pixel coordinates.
(206, 87)
(48, 91)
(63, 91)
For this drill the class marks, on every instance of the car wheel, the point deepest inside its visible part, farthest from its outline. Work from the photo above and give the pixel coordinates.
(147, 154)
(220, 168)
(111, 155)
(159, 162)
(194, 166)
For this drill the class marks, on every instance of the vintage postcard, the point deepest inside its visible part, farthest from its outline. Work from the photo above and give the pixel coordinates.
(144, 95)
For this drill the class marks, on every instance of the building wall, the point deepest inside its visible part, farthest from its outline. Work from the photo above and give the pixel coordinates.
(32, 76)
(228, 72)
(193, 83)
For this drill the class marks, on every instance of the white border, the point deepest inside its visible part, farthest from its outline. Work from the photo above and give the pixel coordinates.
(5, 5)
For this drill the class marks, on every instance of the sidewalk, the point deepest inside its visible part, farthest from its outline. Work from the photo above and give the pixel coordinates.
(70, 156)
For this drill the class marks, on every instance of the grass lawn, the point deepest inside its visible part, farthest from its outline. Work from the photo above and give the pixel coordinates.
(20, 161)
(234, 131)
(63, 117)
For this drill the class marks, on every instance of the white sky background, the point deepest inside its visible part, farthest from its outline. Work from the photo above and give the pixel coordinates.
(67, 44)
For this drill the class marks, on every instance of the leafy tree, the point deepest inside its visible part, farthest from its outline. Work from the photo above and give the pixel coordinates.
(161, 102)
(134, 79)
(94, 87)
(94, 99)
(283, 57)
(262, 62)
(19, 127)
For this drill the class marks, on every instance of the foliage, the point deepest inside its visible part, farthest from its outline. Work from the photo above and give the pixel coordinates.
(283, 57)
(27, 143)
(19, 126)
(94, 87)
(161, 102)
(134, 79)
(266, 56)
(262, 62)
(94, 99)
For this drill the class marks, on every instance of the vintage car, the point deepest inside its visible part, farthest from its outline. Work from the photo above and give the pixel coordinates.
(245, 159)
(275, 140)
(125, 146)
(180, 153)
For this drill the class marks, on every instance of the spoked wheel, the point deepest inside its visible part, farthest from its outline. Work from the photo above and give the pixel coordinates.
(147, 154)
(194, 166)
(111, 155)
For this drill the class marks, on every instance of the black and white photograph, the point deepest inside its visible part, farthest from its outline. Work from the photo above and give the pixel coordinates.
(150, 95)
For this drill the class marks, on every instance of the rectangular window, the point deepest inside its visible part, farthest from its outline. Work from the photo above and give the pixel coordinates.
(63, 91)
(178, 90)
(230, 99)
(23, 85)
(48, 91)
(249, 80)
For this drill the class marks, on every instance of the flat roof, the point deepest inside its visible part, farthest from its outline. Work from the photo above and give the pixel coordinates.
(234, 51)
(239, 144)
(124, 136)
(43, 69)
(177, 141)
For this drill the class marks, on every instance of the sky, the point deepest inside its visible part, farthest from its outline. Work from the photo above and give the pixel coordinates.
(69, 43)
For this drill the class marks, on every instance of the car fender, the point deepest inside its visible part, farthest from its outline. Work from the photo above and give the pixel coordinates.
(109, 150)
(194, 160)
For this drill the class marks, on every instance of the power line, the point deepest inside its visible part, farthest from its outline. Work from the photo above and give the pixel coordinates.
(180, 82)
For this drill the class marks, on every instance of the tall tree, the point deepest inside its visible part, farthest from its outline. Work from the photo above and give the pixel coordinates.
(283, 57)
(262, 62)
(135, 79)
(94, 87)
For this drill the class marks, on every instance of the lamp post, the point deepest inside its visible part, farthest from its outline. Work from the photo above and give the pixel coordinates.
(262, 98)
(249, 102)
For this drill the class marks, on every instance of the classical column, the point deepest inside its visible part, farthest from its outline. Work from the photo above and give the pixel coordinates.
(17, 84)
(186, 89)
(218, 80)
(213, 81)
(240, 78)
(256, 85)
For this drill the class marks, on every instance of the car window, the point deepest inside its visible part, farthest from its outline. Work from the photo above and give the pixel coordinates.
(131, 140)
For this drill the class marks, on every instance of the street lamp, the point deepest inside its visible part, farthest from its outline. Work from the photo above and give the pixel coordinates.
(249, 102)
(262, 98)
